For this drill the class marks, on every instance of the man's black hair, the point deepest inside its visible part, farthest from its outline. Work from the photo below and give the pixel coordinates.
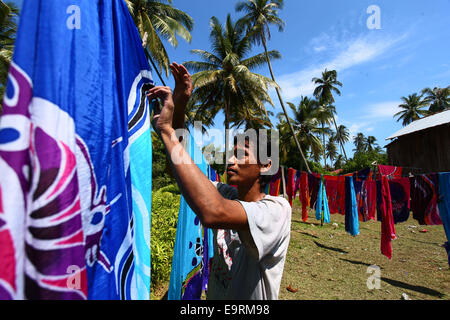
(264, 179)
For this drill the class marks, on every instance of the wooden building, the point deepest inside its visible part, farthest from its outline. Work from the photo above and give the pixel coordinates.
(423, 145)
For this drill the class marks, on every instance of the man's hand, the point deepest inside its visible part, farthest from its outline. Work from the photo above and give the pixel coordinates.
(183, 83)
(162, 119)
(181, 93)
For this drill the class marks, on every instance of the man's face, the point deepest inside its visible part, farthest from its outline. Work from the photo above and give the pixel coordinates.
(242, 167)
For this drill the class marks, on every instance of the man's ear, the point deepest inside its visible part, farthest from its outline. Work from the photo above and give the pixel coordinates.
(266, 167)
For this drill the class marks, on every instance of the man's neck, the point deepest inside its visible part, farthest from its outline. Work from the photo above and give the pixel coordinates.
(251, 193)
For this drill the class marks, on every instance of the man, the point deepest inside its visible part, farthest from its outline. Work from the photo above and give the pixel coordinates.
(251, 229)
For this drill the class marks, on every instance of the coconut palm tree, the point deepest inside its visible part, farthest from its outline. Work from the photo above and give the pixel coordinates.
(305, 133)
(342, 135)
(8, 29)
(305, 124)
(324, 116)
(339, 163)
(438, 98)
(324, 93)
(224, 81)
(331, 149)
(259, 15)
(360, 143)
(157, 20)
(413, 109)
(371, 143)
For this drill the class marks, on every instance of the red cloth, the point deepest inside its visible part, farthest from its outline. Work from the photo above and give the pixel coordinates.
(390, 171)
(304, 195)
(331, 187)
(371, 190)
(290, 187)
(341, 195)
(387, 223)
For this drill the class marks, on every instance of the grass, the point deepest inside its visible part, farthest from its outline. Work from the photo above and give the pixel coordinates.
(326, 263)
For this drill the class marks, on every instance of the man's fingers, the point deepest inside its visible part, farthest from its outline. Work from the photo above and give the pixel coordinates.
(184, 71)
(175, 72)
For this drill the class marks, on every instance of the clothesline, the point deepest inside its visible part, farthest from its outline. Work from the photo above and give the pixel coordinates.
(388, 197)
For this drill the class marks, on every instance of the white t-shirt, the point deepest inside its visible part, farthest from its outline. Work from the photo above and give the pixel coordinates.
(248, 265)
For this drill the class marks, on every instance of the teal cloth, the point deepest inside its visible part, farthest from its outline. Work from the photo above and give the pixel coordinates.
(192, 250)
(322, 204)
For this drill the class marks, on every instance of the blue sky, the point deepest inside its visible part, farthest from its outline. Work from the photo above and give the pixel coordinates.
(411, 51)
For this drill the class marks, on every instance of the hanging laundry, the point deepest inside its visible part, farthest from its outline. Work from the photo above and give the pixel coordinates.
(444, 201)
(424, 199)
(387, 219)
(361, 199)
(313, 183)
(304, 195)
(390, 171)
(322, 209)
(400, 199)
(297, 182)
(267, 188)
(76, 157)
(341, 195)
(193, 245)
(371, 199)
(351, 209)
(363, 174)
(212, 174)
(331, 186)
(290, 185)
(274, 189)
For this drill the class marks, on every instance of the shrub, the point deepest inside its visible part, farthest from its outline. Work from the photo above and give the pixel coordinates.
(165, 206)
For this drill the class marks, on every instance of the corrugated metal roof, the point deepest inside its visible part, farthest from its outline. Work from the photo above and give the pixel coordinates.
(422, 124)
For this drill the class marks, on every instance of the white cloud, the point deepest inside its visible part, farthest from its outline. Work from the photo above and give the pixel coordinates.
(320, 48)
(347, 54)
(381, 110)
(355, 128)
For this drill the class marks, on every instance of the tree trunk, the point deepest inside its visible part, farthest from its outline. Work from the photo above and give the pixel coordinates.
(324, 147)
(282, 104)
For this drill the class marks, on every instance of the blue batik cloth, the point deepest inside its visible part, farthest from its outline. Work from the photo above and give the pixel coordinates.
(193, 245)
(80, 68)
(351, 208)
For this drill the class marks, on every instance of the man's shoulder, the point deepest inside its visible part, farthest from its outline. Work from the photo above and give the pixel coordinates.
(278, 199)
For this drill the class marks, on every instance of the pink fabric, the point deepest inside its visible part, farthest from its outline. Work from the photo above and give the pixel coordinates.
(387, 224)
(390, 171)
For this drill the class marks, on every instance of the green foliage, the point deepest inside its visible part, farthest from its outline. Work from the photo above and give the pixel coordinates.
(165, 206)
(362, 160)
(158, 20)
(8, 28)
(160, 176)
